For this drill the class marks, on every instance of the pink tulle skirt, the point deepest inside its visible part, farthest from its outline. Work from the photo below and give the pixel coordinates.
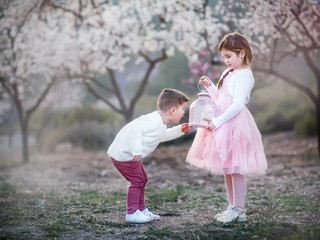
(234, 147)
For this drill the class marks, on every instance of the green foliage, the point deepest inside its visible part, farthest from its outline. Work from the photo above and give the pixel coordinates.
(54, 215)
(171, 74)
(162, 234)
(87, 127)
(306, 125)
(146, 105)
(275, 111)
(161, 196)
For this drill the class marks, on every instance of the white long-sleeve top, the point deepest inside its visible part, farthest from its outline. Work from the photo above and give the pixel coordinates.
(239, 85)
(141, 137)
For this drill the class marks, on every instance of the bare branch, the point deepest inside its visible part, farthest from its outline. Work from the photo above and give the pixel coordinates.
(144, 82)
(101, 85)
(296, 84)
(99, 96)
(312, 66)
(77, 15)
(145, 56)
(92, 79)
(6, 87)
(40, 99)
(205, 36)
(116, 91)
(314, 43)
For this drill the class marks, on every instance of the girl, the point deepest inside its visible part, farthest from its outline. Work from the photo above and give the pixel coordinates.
(233, 146)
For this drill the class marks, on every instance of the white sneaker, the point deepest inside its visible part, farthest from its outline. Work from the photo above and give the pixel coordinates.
(137, 217)
(223, 213)
(150, 214)
(236, 213)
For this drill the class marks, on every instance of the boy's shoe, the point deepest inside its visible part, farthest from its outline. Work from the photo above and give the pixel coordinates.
(236, 213)
(150, 214)
(137, 217)
(223, 213)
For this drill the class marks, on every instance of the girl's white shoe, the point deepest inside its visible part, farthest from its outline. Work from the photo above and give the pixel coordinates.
(236, 213)
(223, 213)
(150, 214)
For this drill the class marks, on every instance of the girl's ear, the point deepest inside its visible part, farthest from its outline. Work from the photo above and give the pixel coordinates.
(242, 54)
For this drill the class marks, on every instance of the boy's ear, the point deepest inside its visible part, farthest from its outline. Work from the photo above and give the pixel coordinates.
(173, 110)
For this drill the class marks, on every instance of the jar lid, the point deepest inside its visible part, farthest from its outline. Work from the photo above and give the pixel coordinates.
(203, 94)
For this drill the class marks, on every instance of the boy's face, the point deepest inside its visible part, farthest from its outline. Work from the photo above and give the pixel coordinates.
(178, 113)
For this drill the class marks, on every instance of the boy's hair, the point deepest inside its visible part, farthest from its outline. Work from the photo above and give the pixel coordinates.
(235, 42)
(169, 98)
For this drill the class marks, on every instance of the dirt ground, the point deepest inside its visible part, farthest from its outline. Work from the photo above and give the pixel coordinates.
(292, 165)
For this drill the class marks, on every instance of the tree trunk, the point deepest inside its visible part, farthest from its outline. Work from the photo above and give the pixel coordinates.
(318, 126)
(10, 138)
(25, 142)
(128, 117)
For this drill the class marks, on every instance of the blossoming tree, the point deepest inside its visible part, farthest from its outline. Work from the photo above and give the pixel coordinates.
(295, 22)
(28, 61)
(44, 41)
(277, 30)
(106, 36)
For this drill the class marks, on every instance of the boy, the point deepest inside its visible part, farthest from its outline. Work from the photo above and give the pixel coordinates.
(138, 139)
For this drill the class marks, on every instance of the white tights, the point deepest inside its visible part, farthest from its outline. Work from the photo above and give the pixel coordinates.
(236, 189)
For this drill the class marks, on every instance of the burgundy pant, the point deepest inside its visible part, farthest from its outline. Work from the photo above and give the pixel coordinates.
(136, 175)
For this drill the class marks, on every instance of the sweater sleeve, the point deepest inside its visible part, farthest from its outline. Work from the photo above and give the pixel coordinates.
(172, 133)
(242, 88)
(213, 92)
(213, 89)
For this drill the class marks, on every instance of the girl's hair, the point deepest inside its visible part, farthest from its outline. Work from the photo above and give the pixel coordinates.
(169, 98)
(235, 42)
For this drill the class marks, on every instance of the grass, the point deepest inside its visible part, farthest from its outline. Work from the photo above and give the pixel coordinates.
(50, 215)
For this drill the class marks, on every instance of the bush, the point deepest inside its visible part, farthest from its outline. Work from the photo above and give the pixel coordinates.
(87, 135)
(90, 128)
(306, 125)
(278, 123)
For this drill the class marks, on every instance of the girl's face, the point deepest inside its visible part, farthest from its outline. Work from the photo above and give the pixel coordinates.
(232, 59)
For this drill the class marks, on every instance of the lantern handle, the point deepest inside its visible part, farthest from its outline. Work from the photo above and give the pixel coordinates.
(198, 86)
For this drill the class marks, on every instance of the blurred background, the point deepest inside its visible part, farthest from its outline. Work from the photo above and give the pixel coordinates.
(73, 72)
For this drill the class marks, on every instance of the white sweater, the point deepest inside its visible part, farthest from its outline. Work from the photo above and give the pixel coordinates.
(240, 84)
(141, 137)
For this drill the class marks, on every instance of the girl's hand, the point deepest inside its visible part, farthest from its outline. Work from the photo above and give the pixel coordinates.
(137, 158)
(185, 127)
(205, 81)
(210, 126)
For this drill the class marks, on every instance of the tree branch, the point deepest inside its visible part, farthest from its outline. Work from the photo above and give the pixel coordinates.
(94, 80)
(77, 15)
(40, 99)
(116, 89)
(314, 43)
(97, 95)
(297, 85)
(312, 66)
(145, 56)
(144, 82)
(5, 86)
(101, 85)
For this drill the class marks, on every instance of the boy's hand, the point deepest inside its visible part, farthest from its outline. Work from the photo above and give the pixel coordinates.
(136, 158)
(185, 127)
(205, 81)
(210, 126)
